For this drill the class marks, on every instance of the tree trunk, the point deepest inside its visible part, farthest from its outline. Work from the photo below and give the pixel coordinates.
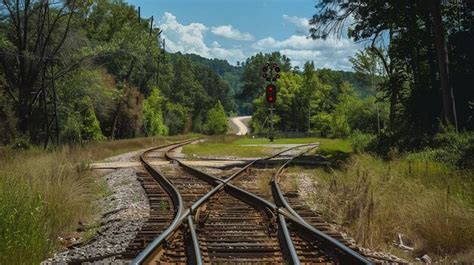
(443, 63)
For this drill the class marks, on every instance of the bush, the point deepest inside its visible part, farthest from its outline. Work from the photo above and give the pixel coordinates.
(360, 141)
(456, 149)
(216, 120)
(21, 142)
(175, 118)
(153, 114)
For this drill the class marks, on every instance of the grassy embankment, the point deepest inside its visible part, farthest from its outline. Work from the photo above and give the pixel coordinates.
(44, 194)
(429, 203)
(234, 146)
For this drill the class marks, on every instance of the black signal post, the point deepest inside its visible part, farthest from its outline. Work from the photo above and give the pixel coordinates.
(271, 72)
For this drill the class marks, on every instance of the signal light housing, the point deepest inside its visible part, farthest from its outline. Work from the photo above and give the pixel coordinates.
(271, 92)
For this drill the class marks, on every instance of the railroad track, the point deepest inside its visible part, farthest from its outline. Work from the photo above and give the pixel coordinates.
(223, 220)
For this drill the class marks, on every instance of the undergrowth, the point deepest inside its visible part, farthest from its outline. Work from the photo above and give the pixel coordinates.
(45, 193)
(429, 203)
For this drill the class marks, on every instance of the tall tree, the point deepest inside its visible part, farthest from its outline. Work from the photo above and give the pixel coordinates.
(449, 109)
(34, 33)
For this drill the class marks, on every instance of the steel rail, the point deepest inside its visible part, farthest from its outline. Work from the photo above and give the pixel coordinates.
(243, 195)
(332, 247)
(197, 254)
(175, 196)
(287, 241)
(218, 183)
(335, 249)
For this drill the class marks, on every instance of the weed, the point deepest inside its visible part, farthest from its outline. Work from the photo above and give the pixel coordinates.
(45, 193)
(430, 203)
(164, 206)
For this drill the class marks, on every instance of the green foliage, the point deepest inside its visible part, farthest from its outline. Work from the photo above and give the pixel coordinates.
(71, 132)
(112, 61)
(360, 141)
(456, 149)
(21, 142)
(90, 125)
(82, 124)
(413, 81)
(216, 120)
(153, 114)
(176, 116)
(319, 101)
(253, 82)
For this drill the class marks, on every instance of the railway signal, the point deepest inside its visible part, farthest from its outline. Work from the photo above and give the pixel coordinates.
(271, 93)
(271, 74)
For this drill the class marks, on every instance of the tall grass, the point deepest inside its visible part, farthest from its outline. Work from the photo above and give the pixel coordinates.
(431, 204)
(44, 194)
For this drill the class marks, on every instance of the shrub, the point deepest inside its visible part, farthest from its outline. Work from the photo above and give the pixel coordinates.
(216, 120)
(360, 141)
(21, 142)
(175, 118)
(153, 114)
(454, 148)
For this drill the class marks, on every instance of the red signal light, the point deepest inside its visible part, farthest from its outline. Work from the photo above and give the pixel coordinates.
(271, 93)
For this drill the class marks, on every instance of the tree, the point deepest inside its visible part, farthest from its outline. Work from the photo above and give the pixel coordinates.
(7, 120)
(449, 109)
(216, 120)
(369, 69)
(176, 116)
(252, 78)
(420, 80)
(153, 114)
(33, 35)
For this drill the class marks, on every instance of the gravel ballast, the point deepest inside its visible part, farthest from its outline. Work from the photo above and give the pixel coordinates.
(125, 209)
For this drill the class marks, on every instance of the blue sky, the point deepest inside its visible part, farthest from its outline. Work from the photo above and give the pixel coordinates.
(237, 29)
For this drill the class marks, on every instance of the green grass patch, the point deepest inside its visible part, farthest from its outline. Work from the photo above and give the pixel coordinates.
(327, 145)
(227, 150)
(241, 146)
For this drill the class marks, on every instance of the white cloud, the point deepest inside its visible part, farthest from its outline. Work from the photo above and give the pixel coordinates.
(232, 33)
(302, 24)
(190, 39)
(329, 53)
(184, 38)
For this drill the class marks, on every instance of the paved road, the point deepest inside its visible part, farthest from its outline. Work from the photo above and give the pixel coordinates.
(238, 124)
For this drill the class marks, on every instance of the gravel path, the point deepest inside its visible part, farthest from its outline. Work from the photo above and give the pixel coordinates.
(125, 209)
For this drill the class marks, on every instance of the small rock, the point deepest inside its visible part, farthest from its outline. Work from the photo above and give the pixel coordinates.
(426, 259)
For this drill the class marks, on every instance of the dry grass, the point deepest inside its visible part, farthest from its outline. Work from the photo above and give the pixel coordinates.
(427, 202)
(263, 182)
(44, 194)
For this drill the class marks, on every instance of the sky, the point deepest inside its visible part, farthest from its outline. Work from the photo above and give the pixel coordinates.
(237, 29)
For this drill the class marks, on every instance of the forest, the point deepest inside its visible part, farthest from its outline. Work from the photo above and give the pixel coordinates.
(415, 97)
(79, 72)
(75, 73)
